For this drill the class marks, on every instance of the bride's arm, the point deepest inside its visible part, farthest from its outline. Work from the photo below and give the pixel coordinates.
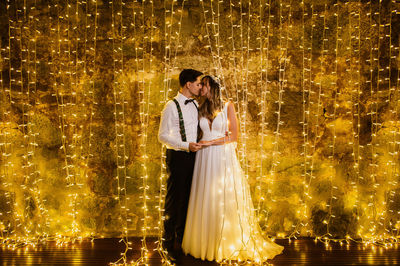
(232, 127)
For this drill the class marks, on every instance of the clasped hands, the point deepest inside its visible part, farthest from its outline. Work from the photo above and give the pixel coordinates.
(193, 146)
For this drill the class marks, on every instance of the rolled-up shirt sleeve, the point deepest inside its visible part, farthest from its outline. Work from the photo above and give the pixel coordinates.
(168, 132)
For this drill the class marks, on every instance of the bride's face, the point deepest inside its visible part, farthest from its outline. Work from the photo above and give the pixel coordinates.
(205, 91)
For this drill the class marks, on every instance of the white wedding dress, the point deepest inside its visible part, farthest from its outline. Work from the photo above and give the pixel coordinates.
(221, 223)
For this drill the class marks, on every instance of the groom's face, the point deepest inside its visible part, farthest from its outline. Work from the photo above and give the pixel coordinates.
(195, 87)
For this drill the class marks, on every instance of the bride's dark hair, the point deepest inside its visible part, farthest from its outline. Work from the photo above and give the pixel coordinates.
(211, 107)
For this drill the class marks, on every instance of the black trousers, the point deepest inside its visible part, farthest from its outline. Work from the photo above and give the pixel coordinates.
(180, 165)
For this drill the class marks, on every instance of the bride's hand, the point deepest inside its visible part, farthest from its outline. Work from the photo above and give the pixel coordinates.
(205, 143)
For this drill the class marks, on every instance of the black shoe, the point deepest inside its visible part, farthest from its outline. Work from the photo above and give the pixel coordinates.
(170, 254)
(177, 256)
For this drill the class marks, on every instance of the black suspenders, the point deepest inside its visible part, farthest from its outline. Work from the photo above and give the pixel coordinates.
(181, 123)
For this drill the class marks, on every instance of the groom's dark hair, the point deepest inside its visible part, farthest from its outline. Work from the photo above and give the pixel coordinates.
(188, 75)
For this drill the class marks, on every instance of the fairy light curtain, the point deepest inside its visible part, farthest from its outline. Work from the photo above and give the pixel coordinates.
(83, 83)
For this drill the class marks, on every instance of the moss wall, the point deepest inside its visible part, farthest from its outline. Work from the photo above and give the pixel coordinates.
(315, 86)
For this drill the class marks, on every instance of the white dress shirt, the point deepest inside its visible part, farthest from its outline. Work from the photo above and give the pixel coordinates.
(169, 131)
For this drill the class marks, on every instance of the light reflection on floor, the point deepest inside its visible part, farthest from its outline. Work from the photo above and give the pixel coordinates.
(104, 251)
(306, 251)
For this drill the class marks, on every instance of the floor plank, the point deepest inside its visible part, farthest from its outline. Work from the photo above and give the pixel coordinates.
(104, 251)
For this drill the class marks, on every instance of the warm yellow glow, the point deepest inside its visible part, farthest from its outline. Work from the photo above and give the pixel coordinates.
(372, 187)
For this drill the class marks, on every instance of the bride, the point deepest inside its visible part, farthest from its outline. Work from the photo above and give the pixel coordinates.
(221, 223)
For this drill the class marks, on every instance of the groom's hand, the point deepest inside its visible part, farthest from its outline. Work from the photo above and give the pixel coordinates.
(193, 146)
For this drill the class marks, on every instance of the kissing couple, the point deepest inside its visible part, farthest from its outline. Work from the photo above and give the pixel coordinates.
(208, 207)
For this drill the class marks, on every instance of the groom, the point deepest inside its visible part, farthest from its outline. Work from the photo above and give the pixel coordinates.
(178, 131)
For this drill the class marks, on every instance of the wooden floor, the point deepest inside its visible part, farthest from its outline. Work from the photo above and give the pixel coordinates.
(104, 251)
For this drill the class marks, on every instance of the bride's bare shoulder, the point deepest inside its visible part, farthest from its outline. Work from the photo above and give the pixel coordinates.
(230, 105)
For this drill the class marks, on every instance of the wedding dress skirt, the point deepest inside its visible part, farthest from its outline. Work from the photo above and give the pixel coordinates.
(221, 223)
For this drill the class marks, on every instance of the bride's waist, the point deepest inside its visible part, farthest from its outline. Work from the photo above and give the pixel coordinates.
(212, 136)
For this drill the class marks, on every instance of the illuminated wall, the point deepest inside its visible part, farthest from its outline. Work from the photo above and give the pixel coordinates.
(315, 85)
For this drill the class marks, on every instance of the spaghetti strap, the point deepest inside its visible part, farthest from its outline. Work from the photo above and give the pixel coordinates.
(226, 108)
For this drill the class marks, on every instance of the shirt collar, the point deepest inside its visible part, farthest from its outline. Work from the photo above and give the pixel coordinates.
(182, 98)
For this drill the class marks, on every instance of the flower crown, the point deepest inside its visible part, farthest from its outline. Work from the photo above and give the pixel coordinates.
(215, 79)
